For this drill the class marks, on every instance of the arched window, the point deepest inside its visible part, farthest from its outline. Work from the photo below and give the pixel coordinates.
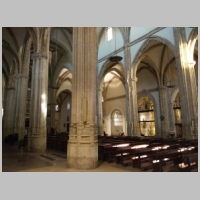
(56, 107)
(109, 33)
(116, 123)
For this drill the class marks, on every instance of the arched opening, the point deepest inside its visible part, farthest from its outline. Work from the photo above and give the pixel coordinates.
(63, 112)
(116, 123)
(146, 116)
(112, 96)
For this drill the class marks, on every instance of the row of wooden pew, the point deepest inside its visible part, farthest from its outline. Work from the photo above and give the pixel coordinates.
(148, 153)
(58, 141)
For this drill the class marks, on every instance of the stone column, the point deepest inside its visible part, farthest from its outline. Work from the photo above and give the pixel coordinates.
(127, 63)
(3, 93)
(193, 99)
(17, 100)
(20, 109)
(135, 119)
(163, 111)
(82, 149)
(100, 113)
(8, 118)
(104, 110)
(52, 105)
(38, 108)
(21, 92)
(171, 115)
(187, 85)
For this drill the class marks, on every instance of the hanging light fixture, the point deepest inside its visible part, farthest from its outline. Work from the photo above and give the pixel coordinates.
(115, 58)
(170, 75)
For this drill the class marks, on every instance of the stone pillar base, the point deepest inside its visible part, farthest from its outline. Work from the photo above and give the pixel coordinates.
(82, 156)
(36, 144)
(21, 136)
(6, 132)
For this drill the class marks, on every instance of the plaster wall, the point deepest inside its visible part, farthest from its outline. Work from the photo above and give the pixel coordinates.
(167, 33)
(107, 47)
(119, 104)
(137, 32)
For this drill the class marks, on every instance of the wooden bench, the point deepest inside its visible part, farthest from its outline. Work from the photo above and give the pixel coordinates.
(58, 142)
(166, 157)
(125, 154)
(109, 151)
(189, 164)
(143, 158)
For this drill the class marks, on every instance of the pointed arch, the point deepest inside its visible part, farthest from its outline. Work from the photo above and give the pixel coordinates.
(140, 53)
(191, 43)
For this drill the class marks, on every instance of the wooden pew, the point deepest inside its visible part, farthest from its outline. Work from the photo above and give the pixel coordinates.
(175, 156)
(125, 154)
(142, 158)
(58, 141)
(189, 164)
(113, 150)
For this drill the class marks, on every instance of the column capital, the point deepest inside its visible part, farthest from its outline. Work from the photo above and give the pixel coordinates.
(10, 88)
(101, 89)
(126, 45)
(11, 84)
(191, 63)
(53, 87)
(39, 55)
(144, 92)
(134, 79)
(18, 76)
(50, 104)
(162, 88)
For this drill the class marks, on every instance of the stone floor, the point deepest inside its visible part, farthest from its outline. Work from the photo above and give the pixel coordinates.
(17, 160)
(14, 160)
(78, 184)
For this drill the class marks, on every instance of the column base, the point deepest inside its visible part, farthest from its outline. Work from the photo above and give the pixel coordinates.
(36, 144)
(6, 132)
(82, 156)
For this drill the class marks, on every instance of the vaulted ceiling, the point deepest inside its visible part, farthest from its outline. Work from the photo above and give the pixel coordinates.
(60, 53)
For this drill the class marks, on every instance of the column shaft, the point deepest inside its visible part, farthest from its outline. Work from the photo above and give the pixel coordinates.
(8, 118)
(187, 85)
(38, 109)
(100, 113)
(163, 111)
(83, 144)
(135, 121)
(127, 62)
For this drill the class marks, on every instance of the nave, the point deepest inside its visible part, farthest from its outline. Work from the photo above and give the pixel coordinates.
(67, 80)
(115, 154)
